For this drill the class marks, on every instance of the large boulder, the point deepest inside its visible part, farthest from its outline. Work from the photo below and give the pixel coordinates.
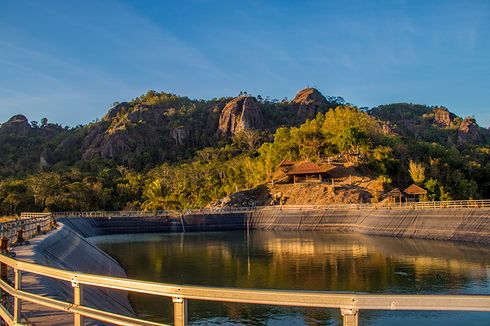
(239, 114)
(308, 103)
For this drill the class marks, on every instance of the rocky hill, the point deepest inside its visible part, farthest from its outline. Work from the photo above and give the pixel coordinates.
(431, 124)
(161, 150)
(151, 129)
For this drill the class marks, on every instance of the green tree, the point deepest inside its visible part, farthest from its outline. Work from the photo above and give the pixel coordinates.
(417, 172)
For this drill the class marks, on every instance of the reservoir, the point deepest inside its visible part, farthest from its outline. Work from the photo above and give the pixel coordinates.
(291, 260)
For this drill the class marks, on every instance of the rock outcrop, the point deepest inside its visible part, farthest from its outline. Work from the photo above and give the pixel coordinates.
(117, 109)
(239, 114)
(443, 118)
(18, 125)
(469, 131)
(308, 103)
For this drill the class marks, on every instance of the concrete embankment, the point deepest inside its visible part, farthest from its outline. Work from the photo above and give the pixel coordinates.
(458, 224)
(464, 224)
(89, 227)
(65, 249)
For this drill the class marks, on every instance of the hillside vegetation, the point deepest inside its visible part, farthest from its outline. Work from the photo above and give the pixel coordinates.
(164, 151)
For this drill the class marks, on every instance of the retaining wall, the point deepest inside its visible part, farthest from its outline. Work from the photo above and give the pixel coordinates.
(458, 224)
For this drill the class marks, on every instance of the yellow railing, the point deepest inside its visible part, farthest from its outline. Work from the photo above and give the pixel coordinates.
(349, 303)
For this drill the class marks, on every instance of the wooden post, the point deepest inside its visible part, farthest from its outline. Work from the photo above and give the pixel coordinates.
(351, 317)
(180, 311)
(17, 302)
(77, 301)
(20, 235)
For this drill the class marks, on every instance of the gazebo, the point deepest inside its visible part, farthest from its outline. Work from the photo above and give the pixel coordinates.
(394, 195)
(413, 192)
(307, 171)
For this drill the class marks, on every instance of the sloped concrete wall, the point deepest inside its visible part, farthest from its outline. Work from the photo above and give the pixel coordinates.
(66, 249)
(464, 224)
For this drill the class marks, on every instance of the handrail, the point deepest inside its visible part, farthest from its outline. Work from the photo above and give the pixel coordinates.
(349, 303)
(480, 203)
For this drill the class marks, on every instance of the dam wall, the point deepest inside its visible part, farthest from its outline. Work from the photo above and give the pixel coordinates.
(89, 227)
(457, 224)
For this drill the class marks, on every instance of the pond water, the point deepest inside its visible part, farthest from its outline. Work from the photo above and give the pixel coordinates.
(302, 261)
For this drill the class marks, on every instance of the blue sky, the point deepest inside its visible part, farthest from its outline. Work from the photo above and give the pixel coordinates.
(70, 60)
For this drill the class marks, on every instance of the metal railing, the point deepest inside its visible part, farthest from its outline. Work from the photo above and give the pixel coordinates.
(481, 203)
(349, 303)
(28, 226)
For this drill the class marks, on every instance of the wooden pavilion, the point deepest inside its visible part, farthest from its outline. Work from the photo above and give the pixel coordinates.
(307, 171)
(394, 195)
(414, 192)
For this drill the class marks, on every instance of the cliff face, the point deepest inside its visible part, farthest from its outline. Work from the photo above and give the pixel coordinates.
(443, 117)
(469, 131)
(308, 103)
(239, 114)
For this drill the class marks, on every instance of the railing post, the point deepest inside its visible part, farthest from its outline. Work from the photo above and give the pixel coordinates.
(351, 316)
(17, 302)
(4, 244)
(77, 301)
(180, 311)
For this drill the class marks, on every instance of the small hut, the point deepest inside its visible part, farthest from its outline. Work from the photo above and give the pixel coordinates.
(393, 196)
(414, 192)
(307, 171)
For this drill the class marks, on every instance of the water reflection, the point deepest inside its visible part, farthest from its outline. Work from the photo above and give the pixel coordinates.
(308, 261)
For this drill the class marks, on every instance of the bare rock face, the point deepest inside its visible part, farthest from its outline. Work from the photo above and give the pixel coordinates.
(443, 117)
(239, 114)
(118, 109)
(18, 125)
(308, 103)
(179, 134)
(468, 130)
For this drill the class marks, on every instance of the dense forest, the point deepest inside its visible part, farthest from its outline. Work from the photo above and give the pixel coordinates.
(165, 151)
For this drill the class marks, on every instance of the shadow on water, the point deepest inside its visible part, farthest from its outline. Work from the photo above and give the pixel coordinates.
(303, 261)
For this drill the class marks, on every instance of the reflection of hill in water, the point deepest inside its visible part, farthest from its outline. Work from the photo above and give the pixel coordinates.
(310, 261)
(356, 245)
(352, 262)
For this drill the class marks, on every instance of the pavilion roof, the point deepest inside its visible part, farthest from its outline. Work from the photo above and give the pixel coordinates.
(415, 190)
(307, 167)
(395, 193)
(286, 162)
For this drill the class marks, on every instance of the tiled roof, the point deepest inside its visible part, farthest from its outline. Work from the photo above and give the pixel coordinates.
(308, 167)
(415, 190)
